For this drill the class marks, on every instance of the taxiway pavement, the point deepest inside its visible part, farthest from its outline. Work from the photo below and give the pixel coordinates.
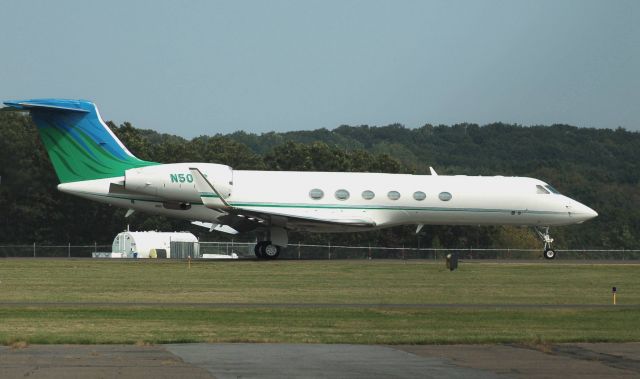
(228, 360)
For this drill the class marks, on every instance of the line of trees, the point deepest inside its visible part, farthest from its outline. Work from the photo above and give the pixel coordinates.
(599, 167)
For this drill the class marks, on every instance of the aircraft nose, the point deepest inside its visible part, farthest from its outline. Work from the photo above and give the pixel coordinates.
(582, 212)
(588, 214)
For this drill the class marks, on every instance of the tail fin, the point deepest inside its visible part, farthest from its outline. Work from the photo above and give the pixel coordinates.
(79, 143)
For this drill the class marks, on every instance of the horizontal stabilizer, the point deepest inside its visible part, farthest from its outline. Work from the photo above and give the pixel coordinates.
(210, 196)
(49, 104)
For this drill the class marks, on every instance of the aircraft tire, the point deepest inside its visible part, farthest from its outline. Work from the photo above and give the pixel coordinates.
(258, 249)
(549, 254)
(269, 250)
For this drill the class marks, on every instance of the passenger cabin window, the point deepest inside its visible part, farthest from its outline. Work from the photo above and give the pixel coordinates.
(342, 194)
(419, 195)
(393, 195)
(540, 189)
(553, 190)
(368, 195)
(444, 196)
(316, 194)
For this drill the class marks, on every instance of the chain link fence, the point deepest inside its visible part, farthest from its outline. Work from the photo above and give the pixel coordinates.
(244, 250)
(51, 251)
(305, 251)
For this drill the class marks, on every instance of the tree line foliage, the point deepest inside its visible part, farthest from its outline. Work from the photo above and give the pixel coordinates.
(599, 167)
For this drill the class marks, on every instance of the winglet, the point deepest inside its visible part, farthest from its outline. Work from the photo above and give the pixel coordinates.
(210, 196)
(433, 172)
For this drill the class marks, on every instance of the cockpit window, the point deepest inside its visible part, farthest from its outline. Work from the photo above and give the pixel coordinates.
(553, 190)
(540, 189)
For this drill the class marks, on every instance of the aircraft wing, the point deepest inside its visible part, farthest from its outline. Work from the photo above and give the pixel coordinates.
(242, 220)
(284, 218)
(217, 227)
(211, 198)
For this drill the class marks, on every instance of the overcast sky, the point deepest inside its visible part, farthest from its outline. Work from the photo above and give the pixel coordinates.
(206, 67)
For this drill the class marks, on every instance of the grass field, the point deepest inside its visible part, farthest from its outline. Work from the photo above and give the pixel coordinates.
(103, 301)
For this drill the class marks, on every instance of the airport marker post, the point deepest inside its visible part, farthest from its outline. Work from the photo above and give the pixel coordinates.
(613, 291)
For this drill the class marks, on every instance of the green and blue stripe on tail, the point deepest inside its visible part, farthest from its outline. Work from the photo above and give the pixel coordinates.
(79, 143)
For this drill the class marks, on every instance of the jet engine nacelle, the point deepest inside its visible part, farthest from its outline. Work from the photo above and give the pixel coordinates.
(175, 182)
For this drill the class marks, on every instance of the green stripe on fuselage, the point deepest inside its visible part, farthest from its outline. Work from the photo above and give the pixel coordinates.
(209, 194)
(340, 206)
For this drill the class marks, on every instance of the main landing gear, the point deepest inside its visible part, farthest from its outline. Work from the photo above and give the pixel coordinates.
(273, 239)
(266, 250)
(543, 232)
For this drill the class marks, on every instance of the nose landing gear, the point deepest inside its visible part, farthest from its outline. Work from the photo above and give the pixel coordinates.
(543, 232)
(549, 253)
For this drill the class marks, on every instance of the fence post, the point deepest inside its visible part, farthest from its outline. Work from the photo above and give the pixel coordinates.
(69, 251)
(403, 252)
(298, 250)
(369, 250)
(329, 249)
(95, 247)
(34, 249)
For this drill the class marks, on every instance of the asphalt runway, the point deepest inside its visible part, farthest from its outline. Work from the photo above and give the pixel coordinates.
(566, 361)
(27, 304)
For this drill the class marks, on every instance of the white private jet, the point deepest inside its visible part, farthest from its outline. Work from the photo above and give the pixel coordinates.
(92, 163)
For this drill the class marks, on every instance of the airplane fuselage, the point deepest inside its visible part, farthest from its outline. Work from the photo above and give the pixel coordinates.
(383, 199)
